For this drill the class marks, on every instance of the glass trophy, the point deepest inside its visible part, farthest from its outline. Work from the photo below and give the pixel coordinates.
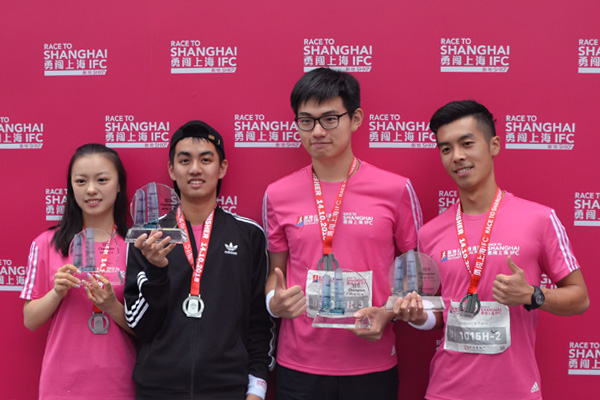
(95, 251)
(339, 294)
(415, 272)
(154, 208)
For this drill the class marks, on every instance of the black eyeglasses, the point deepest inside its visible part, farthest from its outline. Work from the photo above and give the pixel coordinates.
(326, 121)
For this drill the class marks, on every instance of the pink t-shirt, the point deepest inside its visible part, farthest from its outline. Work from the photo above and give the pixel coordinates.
(537, 242)
(78, 364)
(380, 214)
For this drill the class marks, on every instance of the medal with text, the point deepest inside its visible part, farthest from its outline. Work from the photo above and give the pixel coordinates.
(193, 305)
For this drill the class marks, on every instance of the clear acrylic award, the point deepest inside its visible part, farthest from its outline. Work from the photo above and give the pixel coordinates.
(154, 208)
(415, 272)
(95, 251)
(337, 294)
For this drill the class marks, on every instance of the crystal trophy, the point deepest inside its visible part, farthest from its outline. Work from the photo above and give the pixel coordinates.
(94, 251)
(154, 207)
(415, 272)
(339, 294)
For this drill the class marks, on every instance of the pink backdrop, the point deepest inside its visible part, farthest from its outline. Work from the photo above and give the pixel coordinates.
(128, 73)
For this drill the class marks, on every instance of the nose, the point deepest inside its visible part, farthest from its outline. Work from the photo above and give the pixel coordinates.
(318, 130)
(91, 188)
(457, 154)
(195, 167)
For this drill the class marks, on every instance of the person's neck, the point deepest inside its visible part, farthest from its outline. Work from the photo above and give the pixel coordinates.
(475, 202)
(333, 170)
(197, 211)
(104, 222)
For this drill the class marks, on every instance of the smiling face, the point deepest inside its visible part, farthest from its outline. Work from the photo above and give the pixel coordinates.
(329, 144)
(95, 184)
(466, 154)
(197, 169)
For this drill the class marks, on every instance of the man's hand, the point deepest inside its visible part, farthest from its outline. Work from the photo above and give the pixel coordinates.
(379, 319)
(154, 249)
(512, 290)
(410, 309)
(287, 303)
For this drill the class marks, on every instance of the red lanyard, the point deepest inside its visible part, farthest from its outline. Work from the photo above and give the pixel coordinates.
(202, 251)
(483, 246)
(328, 225)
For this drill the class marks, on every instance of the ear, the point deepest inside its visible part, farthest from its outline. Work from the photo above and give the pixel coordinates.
(495, 146)
(357, 119)
(223, 168)
(170, 168)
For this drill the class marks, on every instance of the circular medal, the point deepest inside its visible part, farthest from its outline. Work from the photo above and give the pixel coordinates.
(98, 323)
(193, 306)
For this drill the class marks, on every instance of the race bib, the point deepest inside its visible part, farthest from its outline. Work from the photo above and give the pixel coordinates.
(486, 333)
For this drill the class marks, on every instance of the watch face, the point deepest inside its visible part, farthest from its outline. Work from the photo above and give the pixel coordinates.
(539, 300)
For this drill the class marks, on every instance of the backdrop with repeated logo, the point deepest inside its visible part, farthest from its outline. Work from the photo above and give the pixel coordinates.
(128, 74)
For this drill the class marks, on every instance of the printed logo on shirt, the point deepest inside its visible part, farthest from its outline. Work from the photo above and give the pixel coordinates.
(348, 218)
(300, 221)
(494, 249)
(231, 248)
(589, 56)
(124, 131)
(393, 131)
(463, 55)
(259, 131)
(55, 200)
(62, 59)
(546, 282)
(196, 57)
(584, 358)
(20, 135)
(325, 52)
(530, 132)
(535, 388)
(587, 209)
(12, 277)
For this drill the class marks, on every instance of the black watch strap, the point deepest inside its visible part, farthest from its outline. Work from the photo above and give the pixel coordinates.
(537, 299)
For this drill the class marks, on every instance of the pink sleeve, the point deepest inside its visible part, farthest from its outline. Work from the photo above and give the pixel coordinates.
(276, 238)
(36, 281)
(558, 259)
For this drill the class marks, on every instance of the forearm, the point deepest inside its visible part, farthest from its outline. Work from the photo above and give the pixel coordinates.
(568, 300)
(117, 313)
(37, 312)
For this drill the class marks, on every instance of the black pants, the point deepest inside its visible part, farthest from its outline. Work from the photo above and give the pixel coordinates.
(295, 385)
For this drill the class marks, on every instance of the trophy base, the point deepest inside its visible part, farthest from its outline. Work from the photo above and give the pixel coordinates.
(177, 235)
(433, 303)
(114, 277)
(342, 321)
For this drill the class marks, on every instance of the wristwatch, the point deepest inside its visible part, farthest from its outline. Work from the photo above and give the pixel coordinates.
(537, 299)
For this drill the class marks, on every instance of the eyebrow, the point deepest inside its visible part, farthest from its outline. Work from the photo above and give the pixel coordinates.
(468, 135)
(188, 154)
(305, 114)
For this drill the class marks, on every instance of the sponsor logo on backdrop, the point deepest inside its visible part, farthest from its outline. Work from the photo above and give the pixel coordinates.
(393, 131)
(55, 200)
(589, 56)
(197, 57)
(325, 52)
(228, 203)
(587, 209)
(446, 198)
(20, 135)
(465, 55)
(531, 132)
(12, 276)
(494, 249)
(62, 59)
(124, 131)
(584, 358)
(255, 130)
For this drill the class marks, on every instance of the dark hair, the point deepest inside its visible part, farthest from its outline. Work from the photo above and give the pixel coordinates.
(459, 109)
(323, 84)
(72, 219)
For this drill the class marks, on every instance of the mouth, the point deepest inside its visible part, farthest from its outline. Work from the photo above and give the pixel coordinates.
(196, 182)
(92, 202)
(462, 171)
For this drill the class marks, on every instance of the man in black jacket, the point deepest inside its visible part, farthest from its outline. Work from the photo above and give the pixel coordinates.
(198, 308)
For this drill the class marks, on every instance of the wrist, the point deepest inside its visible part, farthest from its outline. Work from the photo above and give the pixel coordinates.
(428, 324)
(268, 301)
